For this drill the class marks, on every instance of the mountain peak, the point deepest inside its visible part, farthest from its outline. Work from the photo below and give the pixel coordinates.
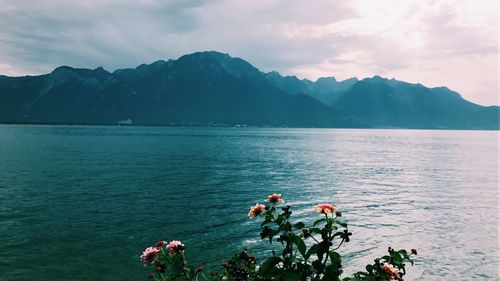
(66, 70)
(326, 79)
(155, 65)
(213, 61)
(379, 78)
(62, 69)
(101, 71)
(215, 55)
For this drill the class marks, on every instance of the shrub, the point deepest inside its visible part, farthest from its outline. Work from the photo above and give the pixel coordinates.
(307, 252)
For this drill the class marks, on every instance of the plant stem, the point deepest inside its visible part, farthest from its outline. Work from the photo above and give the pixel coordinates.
(339, 245)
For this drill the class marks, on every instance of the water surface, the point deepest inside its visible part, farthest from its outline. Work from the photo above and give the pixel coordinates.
(82, 202)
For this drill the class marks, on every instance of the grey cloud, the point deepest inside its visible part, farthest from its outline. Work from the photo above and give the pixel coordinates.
(113, 33)
(446, 38)
(126, 33)
(39, 35)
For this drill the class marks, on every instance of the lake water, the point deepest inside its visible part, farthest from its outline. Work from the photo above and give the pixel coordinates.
(82, 202)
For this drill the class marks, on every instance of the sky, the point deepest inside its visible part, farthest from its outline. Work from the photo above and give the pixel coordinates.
(451, 43)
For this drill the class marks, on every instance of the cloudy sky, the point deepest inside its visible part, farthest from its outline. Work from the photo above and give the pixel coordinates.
(449, 42)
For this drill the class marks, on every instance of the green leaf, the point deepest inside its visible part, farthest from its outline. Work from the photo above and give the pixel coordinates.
(340, 233)
(341, 223)
(300, 245)
(315, 230)
(312, 250)
(369, 268)
(291, 276)
(317, 265)
(322, 249)
(268, 265)
(335, 257)
(299, 225)
(266, 221)
(280, 219)
(396, 258)
(316, 222)
(332, 272)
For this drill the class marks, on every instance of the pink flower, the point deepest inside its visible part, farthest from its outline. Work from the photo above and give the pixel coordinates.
(149, 255)
(160, 243)
(391, 270)
(275, 198)
(256, 210)
(175, 247)
(325, 208)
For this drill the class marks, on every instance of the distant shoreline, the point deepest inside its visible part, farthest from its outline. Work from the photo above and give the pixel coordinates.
(236, 127)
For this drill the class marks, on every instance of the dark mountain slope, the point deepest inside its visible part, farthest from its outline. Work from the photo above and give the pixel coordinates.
(390, 103)
(198, 89)
(326, 89)
(209, 88)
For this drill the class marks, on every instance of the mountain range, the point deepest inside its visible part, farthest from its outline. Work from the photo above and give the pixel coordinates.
(215, 89)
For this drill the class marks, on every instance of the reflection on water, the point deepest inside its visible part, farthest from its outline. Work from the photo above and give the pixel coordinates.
(82, 202)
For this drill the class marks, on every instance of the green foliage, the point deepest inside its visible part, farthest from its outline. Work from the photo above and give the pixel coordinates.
(306, 253)
(240, 267)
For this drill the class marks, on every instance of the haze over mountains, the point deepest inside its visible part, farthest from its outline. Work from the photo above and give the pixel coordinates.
(215, 89)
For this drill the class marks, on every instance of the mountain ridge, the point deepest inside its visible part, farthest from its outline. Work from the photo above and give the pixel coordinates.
(206, 88)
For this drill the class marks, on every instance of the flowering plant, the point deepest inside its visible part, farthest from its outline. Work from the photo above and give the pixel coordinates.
(307, 252)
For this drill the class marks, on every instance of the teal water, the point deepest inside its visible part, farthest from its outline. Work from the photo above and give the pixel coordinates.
(82, 202)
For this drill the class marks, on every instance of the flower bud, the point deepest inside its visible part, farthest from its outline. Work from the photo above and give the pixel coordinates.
(198, 269)
(338, 213)
(414, 251)
(151, 275)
